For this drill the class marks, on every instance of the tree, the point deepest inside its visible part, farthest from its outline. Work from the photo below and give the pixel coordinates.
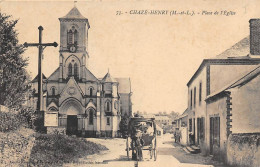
(123, 126)
(14, 78)
(174, 115)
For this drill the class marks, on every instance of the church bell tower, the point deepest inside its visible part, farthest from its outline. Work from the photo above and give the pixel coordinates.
(73, 46)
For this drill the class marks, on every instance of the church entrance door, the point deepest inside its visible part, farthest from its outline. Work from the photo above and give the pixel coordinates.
(72, 125)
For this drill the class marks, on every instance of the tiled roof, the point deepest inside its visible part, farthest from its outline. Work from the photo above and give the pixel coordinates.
(240, 49)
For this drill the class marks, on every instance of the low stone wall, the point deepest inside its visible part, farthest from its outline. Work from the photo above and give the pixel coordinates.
(243, 150)
(56, 130)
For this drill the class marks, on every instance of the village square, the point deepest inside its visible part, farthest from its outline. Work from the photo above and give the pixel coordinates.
(101, 95)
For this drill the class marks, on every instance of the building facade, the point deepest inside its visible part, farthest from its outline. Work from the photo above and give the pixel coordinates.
(162, 120)
(212, 76)
(83, 103)
(234, 110)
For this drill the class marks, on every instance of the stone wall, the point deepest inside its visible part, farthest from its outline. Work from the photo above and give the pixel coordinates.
(243, 149)
(53, 130)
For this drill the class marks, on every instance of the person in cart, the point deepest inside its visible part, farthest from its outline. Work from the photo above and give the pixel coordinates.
(150, 129)
(141, 137)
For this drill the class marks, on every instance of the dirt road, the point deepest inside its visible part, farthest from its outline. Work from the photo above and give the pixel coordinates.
(169, 154)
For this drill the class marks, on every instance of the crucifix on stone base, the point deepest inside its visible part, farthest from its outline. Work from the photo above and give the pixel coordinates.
(41, 46)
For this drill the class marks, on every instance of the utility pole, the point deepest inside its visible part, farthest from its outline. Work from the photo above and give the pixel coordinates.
(41, 46)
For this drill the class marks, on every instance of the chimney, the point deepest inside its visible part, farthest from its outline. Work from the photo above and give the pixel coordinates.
(254, 36)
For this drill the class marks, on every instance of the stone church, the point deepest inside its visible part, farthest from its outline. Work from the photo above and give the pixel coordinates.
(83, 104)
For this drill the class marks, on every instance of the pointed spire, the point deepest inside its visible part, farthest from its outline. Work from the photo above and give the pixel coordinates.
(74, 13)
(108, 78)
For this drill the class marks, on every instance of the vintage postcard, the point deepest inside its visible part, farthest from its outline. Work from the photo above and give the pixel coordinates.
(130, 83)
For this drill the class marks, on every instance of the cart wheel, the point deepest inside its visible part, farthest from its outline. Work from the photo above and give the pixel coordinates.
(127, 148)
(155, 151)
(151, 152)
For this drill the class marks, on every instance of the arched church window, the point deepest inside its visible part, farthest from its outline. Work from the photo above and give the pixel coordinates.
(70, 70)
(53, 91)
(90, 91)
(72, 36)
(75, 37)
(76, 70)
(91, 116)
(107, 106)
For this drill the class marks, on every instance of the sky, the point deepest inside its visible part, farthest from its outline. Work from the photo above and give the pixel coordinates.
(160, 53)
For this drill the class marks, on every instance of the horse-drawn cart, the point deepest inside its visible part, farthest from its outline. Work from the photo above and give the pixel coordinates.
(141, 136)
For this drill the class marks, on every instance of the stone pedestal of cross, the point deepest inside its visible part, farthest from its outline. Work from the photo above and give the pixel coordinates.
(41, 46)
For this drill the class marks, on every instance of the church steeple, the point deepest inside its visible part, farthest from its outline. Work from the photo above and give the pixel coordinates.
(74, 14)
(74, 30)
(73, 44)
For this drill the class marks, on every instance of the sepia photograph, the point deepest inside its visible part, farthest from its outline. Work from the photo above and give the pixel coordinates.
(118, 83)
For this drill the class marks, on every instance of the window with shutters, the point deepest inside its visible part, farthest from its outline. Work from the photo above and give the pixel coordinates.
(217, 131)
(190, 125)
(214, 133)
(202, 130)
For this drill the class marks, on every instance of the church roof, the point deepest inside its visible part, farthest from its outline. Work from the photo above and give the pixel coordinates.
(74, 14)
(108, 78)
(90, 76)
(55, 75)
(36, 78)
(124, 85)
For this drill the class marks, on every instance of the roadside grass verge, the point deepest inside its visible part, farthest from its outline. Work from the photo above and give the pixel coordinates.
(15, 147)
(56, 149)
